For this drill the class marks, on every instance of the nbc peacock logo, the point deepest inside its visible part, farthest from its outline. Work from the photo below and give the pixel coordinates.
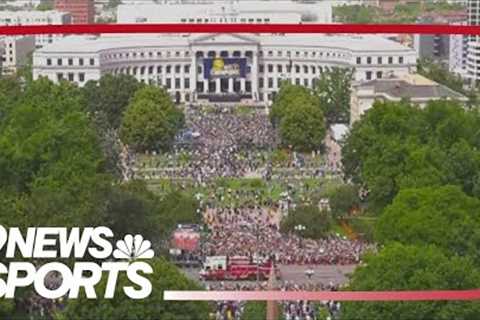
(133, 248)
(62, 243)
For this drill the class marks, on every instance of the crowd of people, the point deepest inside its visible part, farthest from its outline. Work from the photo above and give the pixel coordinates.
(254, 231)
(220, 143)
(288, 310)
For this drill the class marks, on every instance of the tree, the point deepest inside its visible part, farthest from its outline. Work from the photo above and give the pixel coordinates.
(51, 165)
(110, 96)
(399, 267)
(354, 14)
(299, 117)
(10, 92)
(45, 6)
(303, 128)
(343, 199)
(255, 310)
(151, 120)
(289, 98)
(333, 90)
(397, 145)
(47, 139)
(317, 222)
(165, 276)
(439, 73)
(131, 208)
(7, 308)
(443, 216)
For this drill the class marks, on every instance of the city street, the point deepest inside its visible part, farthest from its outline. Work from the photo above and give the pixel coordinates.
(323, 274)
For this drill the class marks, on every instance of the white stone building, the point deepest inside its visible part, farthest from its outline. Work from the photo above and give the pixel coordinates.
(217, 11)
(416, 88)
(222, 67)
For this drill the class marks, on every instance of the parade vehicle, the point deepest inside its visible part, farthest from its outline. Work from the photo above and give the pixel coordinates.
(184, 245)
(236, 268)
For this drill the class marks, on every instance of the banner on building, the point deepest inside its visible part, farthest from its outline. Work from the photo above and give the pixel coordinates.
(224, 67)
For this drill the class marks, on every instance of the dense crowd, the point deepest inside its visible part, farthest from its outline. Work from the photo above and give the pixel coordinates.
(223, 143)
(254, 232)
(220, 143)
(289, 310)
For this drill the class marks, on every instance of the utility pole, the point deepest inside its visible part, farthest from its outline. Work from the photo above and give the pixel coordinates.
(272, 306)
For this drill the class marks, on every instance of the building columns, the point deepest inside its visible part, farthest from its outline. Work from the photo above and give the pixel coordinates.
(206, 86)
(254, 76)
(193, 77)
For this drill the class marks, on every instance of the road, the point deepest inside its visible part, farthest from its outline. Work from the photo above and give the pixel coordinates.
(296, 273)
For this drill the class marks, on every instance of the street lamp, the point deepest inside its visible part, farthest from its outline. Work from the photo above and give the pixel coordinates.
(300, 228)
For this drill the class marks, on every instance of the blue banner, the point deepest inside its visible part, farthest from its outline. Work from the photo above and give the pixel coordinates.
(224, 68)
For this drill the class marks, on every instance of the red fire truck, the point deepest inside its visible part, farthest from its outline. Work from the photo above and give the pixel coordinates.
(235, 268)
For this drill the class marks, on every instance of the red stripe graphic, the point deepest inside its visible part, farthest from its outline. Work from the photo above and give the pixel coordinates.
(322, 295)
(239, 28)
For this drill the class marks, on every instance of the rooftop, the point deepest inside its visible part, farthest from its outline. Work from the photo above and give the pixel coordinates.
(412, 87)
(93, 44)
(29, 14)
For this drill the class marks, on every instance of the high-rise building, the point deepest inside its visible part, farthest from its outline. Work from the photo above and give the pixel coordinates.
(473, 56)
(82, 11)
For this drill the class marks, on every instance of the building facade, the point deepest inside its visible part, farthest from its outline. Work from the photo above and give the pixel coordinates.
(218, 11)
(448, 49)
(18, 18)
(458, 53)
(82, 11)
(417, 89)
(473, 56)
(222, 67)
(16, 52)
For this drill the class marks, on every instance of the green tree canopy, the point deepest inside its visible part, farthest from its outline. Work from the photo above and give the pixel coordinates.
(354, 13)
(132, 208)
(299, 117)
(333, 90)
(439, 73)
(303, 128)
(50, 162)
(397, 145)
(165, 276)
(343, 199)
(400, 267)
(316, 222)
(443, 216)
(289, 98)
(110, 96)
(151, 120)
(47, 138)
(10, 92)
